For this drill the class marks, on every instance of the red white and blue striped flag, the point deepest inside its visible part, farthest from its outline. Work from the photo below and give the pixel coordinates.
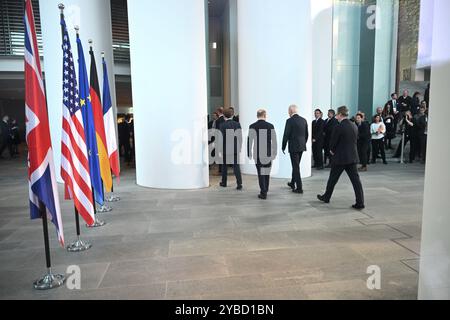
(110, 125)
(43, 189)
(74, 154)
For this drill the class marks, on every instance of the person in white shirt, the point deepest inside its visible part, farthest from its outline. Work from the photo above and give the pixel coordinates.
(378, 130)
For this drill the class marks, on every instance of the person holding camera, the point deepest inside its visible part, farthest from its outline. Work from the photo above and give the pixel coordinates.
(407, 125)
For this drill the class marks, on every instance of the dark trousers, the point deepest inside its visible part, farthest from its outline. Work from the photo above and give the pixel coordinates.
(363, 146)
(263, 177)
(352, 173)
(296, 181)
(378, 147)
(317, 154)
(413, 148)
(126, 150)
(423, 146)
(4, 143)
(387, 143)
(326, 151)
(236, 170)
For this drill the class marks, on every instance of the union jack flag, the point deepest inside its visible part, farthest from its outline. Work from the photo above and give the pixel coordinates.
(43, 189)
(74, 155)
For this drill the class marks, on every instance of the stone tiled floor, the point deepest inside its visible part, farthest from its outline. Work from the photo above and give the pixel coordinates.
(225, 244)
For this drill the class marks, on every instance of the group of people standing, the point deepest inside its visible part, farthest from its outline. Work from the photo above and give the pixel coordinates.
(9, 137)
(262, 148)
(406, 115)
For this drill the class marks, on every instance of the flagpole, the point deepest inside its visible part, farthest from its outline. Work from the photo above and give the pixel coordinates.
(106, 94)
(98, 222)
(78, 245)
(112, 197)
(104, 208)
(50, 280)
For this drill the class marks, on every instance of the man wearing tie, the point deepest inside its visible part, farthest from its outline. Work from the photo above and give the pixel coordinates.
(262, 147)
(345, 157)
(296, 134)
(317, 139)
(328, 128)
(217, 125)
(395, 110)
(232, 144)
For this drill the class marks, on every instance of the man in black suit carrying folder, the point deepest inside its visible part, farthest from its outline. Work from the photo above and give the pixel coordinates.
(296, 134)
(262, 147)
(343, 148)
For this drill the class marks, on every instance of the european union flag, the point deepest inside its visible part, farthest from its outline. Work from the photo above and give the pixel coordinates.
(89, 127)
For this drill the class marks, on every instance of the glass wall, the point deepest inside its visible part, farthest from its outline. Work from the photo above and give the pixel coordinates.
(364, 53)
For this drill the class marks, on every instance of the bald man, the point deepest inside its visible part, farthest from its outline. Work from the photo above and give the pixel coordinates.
(296, 135)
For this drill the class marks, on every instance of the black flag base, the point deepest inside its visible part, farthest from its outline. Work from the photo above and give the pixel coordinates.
(79, 245)
(97, 223)
(49, 281)
(104, 208)
(112, 198)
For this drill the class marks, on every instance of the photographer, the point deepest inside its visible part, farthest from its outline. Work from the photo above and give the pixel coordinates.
(407, 125)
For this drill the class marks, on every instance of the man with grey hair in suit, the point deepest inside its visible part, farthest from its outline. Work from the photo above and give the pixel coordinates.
(296, 135)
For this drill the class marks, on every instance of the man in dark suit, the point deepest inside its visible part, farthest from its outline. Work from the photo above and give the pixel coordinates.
(4, 134)
(296, 134)
(345, 157)
(217, 124)
(363, 140)
(393, 103)
(395, 110)
(262, 147)
(318, 139)
(328, 128)
(422, 131)
(405, 102)
(231, 147)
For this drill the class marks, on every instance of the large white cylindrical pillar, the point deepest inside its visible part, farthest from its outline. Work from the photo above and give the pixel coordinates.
(94, 20)
(168, 73)
(434, 279)
(274, 41)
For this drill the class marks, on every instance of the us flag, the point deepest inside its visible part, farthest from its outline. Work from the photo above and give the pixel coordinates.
(43, 189)
(74, 156)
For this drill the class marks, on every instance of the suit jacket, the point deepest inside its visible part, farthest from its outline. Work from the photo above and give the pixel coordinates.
(328, 128)
(231, 129)
(344, 144)
(391, 103)
(262, 143)
(363, 131)
(296, 134)
(421, 124)
(408, 101)
(219, 122)
(318, 130)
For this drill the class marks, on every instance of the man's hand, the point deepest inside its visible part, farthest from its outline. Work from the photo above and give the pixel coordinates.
(283, 151)
(332, 153)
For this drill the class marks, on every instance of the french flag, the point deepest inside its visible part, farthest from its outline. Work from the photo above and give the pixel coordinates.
(110, 125)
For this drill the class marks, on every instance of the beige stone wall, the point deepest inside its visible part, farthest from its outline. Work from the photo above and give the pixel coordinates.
(409, 22)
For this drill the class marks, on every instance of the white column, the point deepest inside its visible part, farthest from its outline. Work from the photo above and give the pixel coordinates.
(168, 73)
(94, 19)
(434, 280)
(274, 41)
